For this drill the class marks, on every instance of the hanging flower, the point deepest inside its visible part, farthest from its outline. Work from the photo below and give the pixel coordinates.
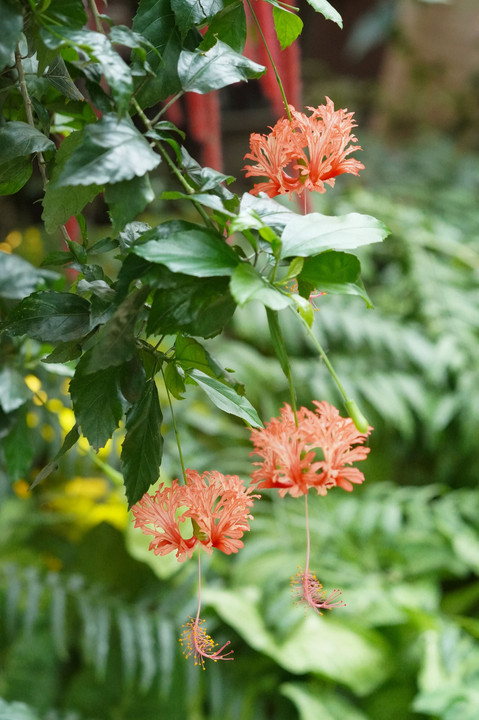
(217, 505)
(307, 590)
(317, 452)
(305, 153)
(196, 642)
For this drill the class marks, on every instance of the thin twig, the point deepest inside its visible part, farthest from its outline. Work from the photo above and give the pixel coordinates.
(96, 16)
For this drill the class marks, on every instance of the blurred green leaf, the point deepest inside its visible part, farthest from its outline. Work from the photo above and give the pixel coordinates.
(226, 398)
(325, 8)
(12, 24)
(247, 285)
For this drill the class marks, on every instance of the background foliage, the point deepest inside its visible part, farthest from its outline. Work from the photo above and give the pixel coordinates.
(89, 620)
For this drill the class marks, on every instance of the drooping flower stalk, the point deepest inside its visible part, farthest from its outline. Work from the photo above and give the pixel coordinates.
(194, 639)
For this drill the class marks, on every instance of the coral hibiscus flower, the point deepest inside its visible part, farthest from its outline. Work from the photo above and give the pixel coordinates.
(304, 153)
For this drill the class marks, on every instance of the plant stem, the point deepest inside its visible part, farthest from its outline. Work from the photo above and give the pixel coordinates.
(170, 102)
(110, 472)
(278, 79)
(308, 540)
(96, 16)
(175, 427)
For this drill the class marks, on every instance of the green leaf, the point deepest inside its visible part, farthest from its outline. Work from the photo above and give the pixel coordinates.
(17, 711)
(143, 445)
(247, 285)
(58, 75)
(18, 139)
(96, 402)
(187, 248)
(99, 48)
(110, 151)
(325, 8)
(269, 211)
(13, 390)
(277, 341)
(229, 26)
(51, 317)
(116, 341)
(127, 199)
(12, 25)
(312, 702)
(69, 441)
(189, 353)
(182, 303)
(225, 398)
(288, 26)
(69, 13)
(64, 352)
(312, 234)
(337, 273)
(14, 174)
(60, 203)
(189, 13)
(219, 66)
(18, 447)
(19, 278)
(174, 381)
(155, 20)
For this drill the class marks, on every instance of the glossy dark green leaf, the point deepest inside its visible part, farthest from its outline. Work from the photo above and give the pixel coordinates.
(51, 317)
(307, 235)
(12, 24)
(115, 341)
(18, 139)
(288, 26)
(18, 278)
(13, 390)
(325, 8)
(182, 303)
(14, 174)
(143, 445)
(127, 199)
(218, 67)
(98, 46)
(60, 203)
(69, 13)
(337, 273)
(187, 248)
(97, 402)
(110, 151)
(229, 26)
(189, 13)
(156, 21)
(225, 398)
(247, 285)
(64, 352)
(132, 379)
(58, 75)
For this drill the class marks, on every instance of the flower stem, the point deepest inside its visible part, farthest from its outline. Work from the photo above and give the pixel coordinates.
(308, 540)
(278, 79)
(277, 341)
(178, 443)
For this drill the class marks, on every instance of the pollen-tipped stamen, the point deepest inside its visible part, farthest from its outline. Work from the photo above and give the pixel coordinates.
(308, 590)
(196, 641)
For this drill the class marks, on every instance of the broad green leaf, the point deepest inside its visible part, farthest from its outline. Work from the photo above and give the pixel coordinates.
(13, 390)
(326, 9)
(183, 303)
(247, 285)
(14, 174)
(288, 26)
(18, 447)
(18, 278)
(269, 211)
(58, 75)
(99, 48)
(69, 13)
(313, 703)
(229, 26)
(189, 353)
(127, 199)
(174, 381)
(69, 441)
(97, 402)
(115, 341)
(64, 352)
(143, 445)
(51, 317)
(337, 273)
(12, 24)
(156, 21)
(362, 659)
(225, 398)
(110, 151)
(218, 67)
(187, 248)
(132, 379)
(189, 13)
(60, 203)
(312, 234)
(18, 139)
(211, 201)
